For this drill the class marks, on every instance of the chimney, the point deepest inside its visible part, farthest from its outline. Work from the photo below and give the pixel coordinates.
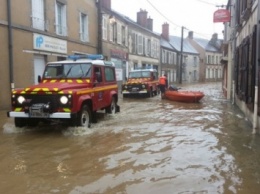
(214, 41)
(150, 24)
(215, 36)
(142, 18)
(106, 4)
(165, 31)
(190, 34)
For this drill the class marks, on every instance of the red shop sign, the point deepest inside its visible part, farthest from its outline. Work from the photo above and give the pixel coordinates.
(221, 15)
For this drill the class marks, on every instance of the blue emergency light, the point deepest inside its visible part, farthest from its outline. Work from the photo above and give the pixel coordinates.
(87, 56)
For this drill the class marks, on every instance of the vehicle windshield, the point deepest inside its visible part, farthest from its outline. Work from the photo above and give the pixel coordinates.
(139, 74)
(71, 70)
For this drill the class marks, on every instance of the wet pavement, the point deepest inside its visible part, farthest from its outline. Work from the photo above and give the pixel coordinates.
(152, 146)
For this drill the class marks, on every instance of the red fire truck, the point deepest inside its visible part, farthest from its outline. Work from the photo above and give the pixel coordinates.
(71, 91)
(141, 82)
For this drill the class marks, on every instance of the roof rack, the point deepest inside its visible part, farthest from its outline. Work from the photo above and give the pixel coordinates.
(87, 56)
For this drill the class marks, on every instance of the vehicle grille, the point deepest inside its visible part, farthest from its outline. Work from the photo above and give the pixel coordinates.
(52, 100)
(134, 87)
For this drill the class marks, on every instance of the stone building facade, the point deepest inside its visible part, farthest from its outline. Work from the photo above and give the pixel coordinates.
(43, 31)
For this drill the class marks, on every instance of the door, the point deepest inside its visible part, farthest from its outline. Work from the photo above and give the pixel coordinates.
(98, 89)
(39, 65)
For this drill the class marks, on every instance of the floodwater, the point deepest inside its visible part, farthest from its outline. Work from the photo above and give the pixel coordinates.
(152, 146)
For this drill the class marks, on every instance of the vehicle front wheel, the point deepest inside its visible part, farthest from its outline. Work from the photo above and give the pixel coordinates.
(84, 118)
(32, 122)
(19, 122)
(150, 93)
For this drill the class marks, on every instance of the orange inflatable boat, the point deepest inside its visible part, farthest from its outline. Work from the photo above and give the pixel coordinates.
(184, 96)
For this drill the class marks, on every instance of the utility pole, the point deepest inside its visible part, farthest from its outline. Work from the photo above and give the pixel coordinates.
(181, 60)
(257, 60)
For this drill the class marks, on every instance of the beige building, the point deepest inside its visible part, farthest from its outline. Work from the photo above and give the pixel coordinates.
(40, 31)
(114, 44)
(209, 57)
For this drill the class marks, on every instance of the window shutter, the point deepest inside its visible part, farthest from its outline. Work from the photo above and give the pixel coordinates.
(38, 14)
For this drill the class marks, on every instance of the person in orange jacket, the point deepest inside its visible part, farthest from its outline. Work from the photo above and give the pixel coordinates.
(163, 84)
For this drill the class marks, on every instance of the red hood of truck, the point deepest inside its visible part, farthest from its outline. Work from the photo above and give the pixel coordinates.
(137, 80)
(55, 86)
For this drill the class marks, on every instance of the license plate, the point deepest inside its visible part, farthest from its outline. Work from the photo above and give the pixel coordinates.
(37, 112)
(134, 89)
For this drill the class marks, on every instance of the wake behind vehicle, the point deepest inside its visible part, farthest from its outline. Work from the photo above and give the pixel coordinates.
(141, 82)
(71, 91)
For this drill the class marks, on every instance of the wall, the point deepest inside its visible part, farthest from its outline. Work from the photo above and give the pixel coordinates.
(23, 50)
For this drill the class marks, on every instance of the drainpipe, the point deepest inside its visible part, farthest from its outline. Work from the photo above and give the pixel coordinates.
(10, 44)
(255, 119)
(99, 47)
(233, 92)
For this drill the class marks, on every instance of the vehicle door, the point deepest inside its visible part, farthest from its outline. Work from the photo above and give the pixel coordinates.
(98, 87)
(110, 84)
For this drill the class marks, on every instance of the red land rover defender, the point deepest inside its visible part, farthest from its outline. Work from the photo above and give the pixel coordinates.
(72, 91)
(141, 81)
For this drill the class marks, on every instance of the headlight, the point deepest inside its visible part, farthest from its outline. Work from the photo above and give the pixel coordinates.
(64, 100)
(143, 86)
(125, 87)
(20, 99)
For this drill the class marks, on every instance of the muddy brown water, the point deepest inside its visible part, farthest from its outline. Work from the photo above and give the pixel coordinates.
(152, 146)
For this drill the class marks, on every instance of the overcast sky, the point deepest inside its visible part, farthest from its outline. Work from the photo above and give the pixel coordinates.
(194, 15)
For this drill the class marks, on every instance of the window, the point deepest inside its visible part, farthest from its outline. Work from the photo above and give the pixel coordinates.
(97, 74)
(38, 14)
(146, 46)
(209, 59)
(140, 44)
(84, 27)
(104, 28)
(149, 47)
(170, 58)
(67, 71)
(175, 58)
(61, 26)
(207, 73)
(135, 43)
(119, 35)
(163, 56)
(123, 35)
(111, 32)
(195, 61)
(109, 74)
(153, 49)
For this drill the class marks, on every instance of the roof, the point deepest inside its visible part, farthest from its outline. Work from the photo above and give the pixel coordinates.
(205, 44)
(151, 70)
(130, 21)
(166, 44)
(175, 42)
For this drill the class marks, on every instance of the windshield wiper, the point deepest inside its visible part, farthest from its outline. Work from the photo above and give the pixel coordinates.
(68, 71)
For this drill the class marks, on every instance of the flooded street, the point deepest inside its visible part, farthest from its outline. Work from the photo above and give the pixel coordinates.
(152, 146)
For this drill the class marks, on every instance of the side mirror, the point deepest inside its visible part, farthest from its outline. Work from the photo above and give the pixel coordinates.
(39, 79)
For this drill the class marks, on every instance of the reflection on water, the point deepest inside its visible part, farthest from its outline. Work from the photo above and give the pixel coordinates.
(152, 146)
